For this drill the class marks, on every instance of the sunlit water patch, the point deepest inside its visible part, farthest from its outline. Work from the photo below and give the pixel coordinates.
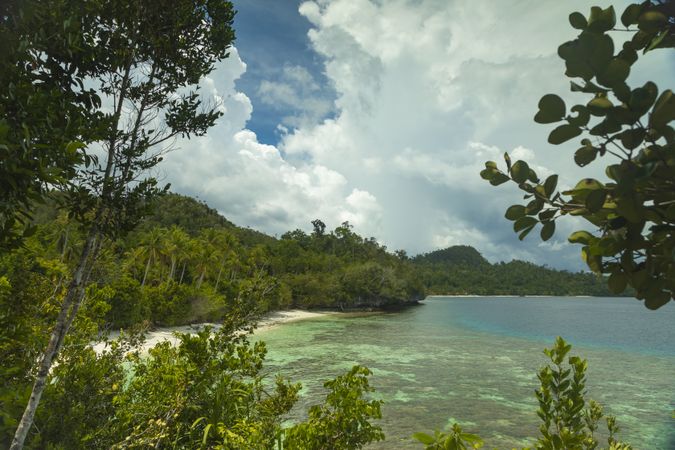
(474, 361)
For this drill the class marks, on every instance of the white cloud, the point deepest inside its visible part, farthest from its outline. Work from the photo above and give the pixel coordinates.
(250, 182)
(426, 92)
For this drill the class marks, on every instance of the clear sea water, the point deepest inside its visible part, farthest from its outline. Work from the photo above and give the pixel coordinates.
(474, 361)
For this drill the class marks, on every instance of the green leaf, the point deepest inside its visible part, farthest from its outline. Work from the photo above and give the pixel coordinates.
(664, 110)
(595, 200)
(547, 231)
(525, 232)
(641, 99)
(582, 117)
(616, 72)
(633, 138)
(551, 109)
(602, 20)
(617, 282)
(523, 223)
(630, 15)
(563, 133)
(424, 438)
(550, 185)
(657, 40)
(581, 237)
(585, 155)
(652, 21)
(578, 21)
(515, 212)
(520, 172)
(498, 178)
(606, 127)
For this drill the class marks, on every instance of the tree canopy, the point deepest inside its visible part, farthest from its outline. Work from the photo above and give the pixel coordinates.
(633, 212)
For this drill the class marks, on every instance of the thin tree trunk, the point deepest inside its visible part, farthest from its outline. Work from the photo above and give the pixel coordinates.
(201, 279)
(69, 307)
(147, 268)
(173, 267)
(182, 272)
(75, 293)
(218, 279)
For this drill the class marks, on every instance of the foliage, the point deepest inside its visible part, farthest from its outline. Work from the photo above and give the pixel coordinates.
(634, 211)
(454, 440)
(343, 421)
(147, 60)
(46, 112)
(447, 272)
(567, 421)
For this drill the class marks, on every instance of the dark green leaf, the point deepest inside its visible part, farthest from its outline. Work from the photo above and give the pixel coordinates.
(633, 138)
(524, 222)
(551, 109)
(617, 282)
(582, 117)
(498, 178)
(547, 231)
(550, 185)
(652, 21)
(585, 155)
(602, 20)
(563, 133)
(664, 110)
(616, 72)
(515, 212)
(525, 232)
(520, 171)
(578, 21)
(630, 15)
(600, 105)
(595, 200)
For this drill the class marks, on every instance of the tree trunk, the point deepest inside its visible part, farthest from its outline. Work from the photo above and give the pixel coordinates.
(182, 272)
(147, 268)
(75, 293)
(71, 303)
(219, 273)
(173, 267)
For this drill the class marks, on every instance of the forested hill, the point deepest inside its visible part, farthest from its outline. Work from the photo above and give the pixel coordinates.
(462, 270)
(186, 263)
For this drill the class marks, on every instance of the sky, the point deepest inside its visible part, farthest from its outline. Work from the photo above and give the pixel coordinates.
(382, 113)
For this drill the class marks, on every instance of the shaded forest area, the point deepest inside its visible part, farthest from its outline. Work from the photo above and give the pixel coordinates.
(185, 263)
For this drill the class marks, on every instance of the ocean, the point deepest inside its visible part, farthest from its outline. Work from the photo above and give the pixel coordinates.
(473, 360)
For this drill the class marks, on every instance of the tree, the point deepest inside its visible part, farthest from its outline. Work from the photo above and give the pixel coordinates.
(147, 58)
(634, 211)
(567, 422)
(46, 112)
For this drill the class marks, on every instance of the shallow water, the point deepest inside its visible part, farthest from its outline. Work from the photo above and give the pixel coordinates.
(474, 361)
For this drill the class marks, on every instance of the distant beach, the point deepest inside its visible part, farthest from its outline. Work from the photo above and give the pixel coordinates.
(162, 334)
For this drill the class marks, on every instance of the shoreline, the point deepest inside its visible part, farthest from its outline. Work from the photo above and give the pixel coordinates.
(513, 296)
(161, 334)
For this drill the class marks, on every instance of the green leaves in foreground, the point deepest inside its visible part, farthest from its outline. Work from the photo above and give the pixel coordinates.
(568, 421)
(632, 242)
(454, 440)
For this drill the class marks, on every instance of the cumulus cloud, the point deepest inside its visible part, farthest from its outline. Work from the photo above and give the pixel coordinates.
(250, 182)
(295, 89)
(426, 92)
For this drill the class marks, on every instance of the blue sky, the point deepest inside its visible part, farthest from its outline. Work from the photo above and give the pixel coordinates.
(271, 36)
(382, 113)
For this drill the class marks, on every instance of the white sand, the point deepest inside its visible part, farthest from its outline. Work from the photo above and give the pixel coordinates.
(161, 334)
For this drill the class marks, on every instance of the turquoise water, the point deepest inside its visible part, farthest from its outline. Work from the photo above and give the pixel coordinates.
(474, 361)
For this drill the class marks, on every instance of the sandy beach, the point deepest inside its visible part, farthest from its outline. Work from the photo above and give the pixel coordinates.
(161, 334)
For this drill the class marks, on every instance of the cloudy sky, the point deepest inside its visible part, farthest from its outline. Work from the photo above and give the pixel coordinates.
(382, 113)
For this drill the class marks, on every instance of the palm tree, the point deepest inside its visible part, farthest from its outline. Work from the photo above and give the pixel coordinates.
(151, 246)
